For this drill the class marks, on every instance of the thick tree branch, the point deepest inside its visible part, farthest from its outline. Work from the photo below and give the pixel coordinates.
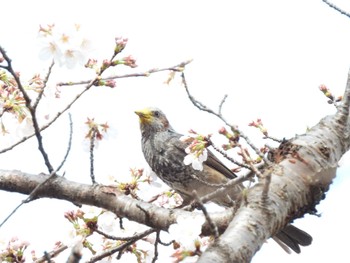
(107, 197)
(299, 181)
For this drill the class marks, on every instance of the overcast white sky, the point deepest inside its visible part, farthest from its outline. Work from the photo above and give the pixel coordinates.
(268, 56)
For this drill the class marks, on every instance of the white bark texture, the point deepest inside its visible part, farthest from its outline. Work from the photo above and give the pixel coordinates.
(303, 172)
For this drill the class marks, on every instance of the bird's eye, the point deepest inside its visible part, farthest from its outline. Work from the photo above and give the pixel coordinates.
(156, 114)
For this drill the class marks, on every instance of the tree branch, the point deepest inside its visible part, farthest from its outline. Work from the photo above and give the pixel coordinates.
(299, 182)
(218, 114)
(31, 109)
(336, 8)
(178, 67)
(107, 197)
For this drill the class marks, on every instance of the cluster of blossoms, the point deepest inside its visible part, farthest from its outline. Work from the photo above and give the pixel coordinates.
(120, 44)
(91, 225)
(95, 130)
(11, 98)
(186, 232)
(232, 139)
(84, 225)
(130, 188)
(258, 124)
(14, 252)
(329, 95)
(196, 150)
(67, 48)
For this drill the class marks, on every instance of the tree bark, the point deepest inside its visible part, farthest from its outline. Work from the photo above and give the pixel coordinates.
(298, 183)
(107, 197)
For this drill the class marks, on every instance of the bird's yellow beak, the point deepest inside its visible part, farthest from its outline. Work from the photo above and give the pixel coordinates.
(144, 115)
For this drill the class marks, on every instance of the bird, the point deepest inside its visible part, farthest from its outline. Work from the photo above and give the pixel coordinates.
(164, 151)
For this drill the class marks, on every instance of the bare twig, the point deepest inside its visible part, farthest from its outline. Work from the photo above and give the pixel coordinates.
(155, 257)
(248, 160)
(221, 104)
(212, 225)
(165, 243)
(273, 139)
(234, 128)
(121, 226)
(223, 189)
(336, 8)
(224, 154)
(179, 67)
(51, 254)
(92, 147)
(113, 237)
(253, 168)
(35, 105)
(33, 193)
(122, 246)
(29, 198)
(69, 142)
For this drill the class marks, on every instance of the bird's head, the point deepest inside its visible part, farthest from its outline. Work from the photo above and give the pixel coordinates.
(152, 120)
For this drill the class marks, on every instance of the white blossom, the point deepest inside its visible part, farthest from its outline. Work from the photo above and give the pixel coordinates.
(66, 47)
(195, 159)
(187, 230)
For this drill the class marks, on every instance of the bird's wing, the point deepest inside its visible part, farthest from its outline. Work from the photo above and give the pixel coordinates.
(212, 161)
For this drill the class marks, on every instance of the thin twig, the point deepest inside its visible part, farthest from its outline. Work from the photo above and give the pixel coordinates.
(224, 154)
(267, 177)
(336, 8)
(30, 197)
(69, 142)
(51, 254)
(212, 225)
(31, 109)
(32, 194)
(113, 237)
(122, 246)
(36, 103)
(179, 67)
(234, 128)
(166, 243)
(92, 147)
(222, 103)
(89, 84)
(121, 226)
(224, 189)
(273, 139)
(47, 125)
(155, 257)
(248, 160)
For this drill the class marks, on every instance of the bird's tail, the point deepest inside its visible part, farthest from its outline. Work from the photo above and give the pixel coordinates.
(292, 237)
